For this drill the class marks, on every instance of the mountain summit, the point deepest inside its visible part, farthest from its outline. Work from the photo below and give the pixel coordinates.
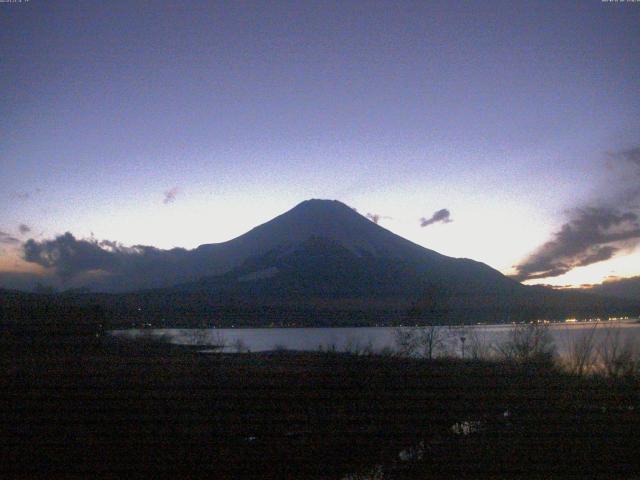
(328, 219)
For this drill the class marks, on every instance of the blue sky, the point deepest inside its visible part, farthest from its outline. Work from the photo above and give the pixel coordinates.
(511, 115)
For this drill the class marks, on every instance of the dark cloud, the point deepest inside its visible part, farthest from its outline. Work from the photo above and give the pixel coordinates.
(24, 229)
(598, 254)
(595, 233)
(441, 216)
(68, 258)
(7, 239)
(592, 235)
(170, 195)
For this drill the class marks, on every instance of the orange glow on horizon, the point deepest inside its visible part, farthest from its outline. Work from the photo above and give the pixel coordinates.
(12, 261)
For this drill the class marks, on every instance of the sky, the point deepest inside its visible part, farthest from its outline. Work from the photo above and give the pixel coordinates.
(506, 132)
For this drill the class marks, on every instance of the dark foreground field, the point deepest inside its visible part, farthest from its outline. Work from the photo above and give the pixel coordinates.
(121, 409)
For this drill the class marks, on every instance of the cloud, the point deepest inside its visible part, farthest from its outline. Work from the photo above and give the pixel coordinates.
(592, 235)
(68, 256)
(170, 195)
(110, 264)
(441, 216)
(375, 217)
(24, 229)
(7, 239)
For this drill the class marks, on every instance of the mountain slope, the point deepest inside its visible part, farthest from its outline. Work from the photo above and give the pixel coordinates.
(323, 267)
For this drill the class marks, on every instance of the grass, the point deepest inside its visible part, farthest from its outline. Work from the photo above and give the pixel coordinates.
(95, 408)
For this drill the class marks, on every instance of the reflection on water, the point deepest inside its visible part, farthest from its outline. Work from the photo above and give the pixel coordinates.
(379, 338)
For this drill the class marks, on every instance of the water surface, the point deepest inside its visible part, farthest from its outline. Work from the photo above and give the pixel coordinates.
(379, 338)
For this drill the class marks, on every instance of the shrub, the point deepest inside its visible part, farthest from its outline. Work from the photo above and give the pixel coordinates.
(355, 347)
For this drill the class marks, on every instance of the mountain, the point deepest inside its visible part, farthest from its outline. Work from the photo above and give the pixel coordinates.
(628, 288)
(323, 260)
(110, 267)
(322, 263)
(332, 223)
(319, 233)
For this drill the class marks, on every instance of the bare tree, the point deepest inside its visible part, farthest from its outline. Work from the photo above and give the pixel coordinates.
(478, 347)
(450, 346)
(430, 340)
(406, 341)
(618, 357)
(581, 351)
(530, 342)
(218, 341)
(196, 336)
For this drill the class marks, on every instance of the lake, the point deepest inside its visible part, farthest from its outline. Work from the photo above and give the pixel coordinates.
(378, 338)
